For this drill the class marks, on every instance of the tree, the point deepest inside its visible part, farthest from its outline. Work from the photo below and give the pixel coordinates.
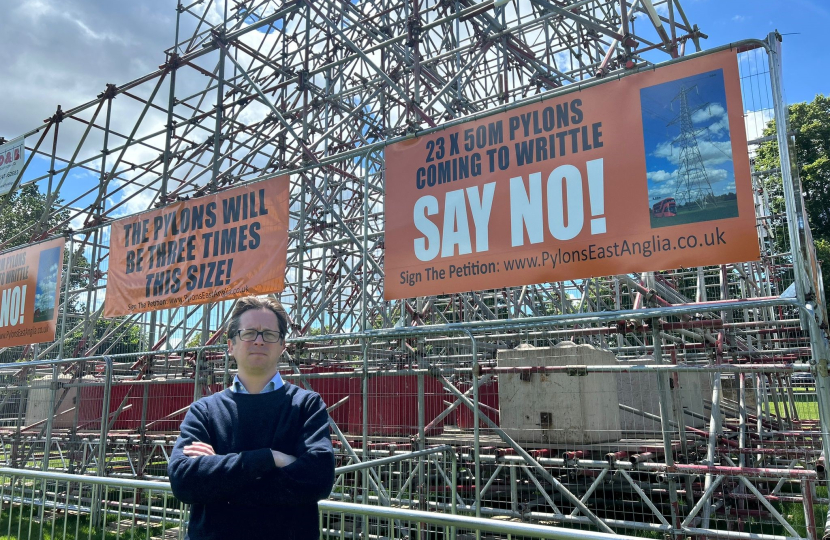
(109, 338)
(196, 340)
(21, 212)
(20, 221)
(19, 216)
(811, 124)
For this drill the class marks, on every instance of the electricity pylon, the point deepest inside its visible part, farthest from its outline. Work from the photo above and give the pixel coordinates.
(692, 184)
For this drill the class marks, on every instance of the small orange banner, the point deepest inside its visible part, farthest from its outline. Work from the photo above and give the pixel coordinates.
(648, 172)
(30, 281)
(222, 246)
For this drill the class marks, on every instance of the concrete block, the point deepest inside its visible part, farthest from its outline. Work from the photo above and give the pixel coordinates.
(40, 395)
(557, 407)
(639, 390)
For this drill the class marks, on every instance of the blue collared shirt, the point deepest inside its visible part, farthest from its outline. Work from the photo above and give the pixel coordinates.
(274, 384)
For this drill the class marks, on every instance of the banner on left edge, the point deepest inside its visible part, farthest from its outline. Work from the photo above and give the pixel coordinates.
(30, 281)
(218, 247)
(12, 159)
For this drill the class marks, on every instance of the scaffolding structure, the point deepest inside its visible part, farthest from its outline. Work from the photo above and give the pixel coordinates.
(258, 88)
(717, 376)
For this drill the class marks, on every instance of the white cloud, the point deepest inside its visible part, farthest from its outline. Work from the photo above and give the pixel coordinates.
(756, 121)
(661, 176)
(45, 293)
(752, 63)
(563, 61)
(713, 118)
(719, 127)
(254, 112)
(713, 111)
(65, 51)
(664, 184)
(711, 152)
(661, 191)
(717, 175)
(136, 200)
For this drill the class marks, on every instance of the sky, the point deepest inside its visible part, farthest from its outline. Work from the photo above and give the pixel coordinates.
(47, 277)
(706, 101)
(802, 23)
(65, 51)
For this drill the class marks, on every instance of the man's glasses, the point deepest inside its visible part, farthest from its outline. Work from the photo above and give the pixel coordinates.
(268, 336)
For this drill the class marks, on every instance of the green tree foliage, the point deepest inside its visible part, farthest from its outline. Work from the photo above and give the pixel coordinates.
(25, 215)
(196, 339)
(21, 214)
(318, 331)
(823, 255)
(106, 337)
(811, 124)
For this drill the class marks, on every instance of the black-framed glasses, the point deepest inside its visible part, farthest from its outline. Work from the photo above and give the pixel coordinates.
(268, 336)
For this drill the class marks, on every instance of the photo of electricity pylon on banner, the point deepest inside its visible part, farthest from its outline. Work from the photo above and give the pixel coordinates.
(530, 259)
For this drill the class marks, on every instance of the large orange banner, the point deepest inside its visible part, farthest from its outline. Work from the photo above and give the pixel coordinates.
(648, 172)
(222, 246)
(30, 281)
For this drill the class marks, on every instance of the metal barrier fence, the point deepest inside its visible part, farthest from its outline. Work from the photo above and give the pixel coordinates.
(695, 420)
(39, 504)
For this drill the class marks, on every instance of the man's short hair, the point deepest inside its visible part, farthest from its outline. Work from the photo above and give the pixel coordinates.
(253, 302)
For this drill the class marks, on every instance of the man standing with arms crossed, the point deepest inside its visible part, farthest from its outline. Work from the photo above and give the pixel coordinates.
(254, 459)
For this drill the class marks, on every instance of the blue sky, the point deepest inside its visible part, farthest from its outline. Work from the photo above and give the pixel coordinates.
(47, 276)
(67, 50)
(706, 99)
(804, 24)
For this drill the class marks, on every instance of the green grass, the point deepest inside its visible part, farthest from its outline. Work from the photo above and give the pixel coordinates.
(82, 524)
(807, 410)
(794, 512)
(806, 404)
(718, 210)
(644, 534)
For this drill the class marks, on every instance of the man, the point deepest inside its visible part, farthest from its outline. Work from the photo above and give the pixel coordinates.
(254, 459)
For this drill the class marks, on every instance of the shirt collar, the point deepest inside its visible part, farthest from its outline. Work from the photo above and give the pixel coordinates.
(274, 384)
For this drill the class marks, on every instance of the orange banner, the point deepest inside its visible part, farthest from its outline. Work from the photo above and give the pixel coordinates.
(222, 246)
(30, 281)
(648, 172)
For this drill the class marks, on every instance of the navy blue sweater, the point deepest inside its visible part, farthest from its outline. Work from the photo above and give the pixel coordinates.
(240, 492)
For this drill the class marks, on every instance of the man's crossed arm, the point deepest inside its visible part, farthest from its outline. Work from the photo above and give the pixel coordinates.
(259, 477)
(197, 449)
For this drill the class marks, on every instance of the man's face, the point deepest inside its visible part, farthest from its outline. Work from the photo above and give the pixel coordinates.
(256, 357)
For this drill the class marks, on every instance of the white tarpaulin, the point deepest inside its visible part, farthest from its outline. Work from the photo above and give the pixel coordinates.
(12, 159)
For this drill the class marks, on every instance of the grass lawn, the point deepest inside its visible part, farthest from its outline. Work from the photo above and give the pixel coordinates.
(806, 403)
(719, 210)
(74, 523)
(807, 410)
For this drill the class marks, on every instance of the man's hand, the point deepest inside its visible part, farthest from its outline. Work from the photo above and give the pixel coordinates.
(282, 460)
(197, 449)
